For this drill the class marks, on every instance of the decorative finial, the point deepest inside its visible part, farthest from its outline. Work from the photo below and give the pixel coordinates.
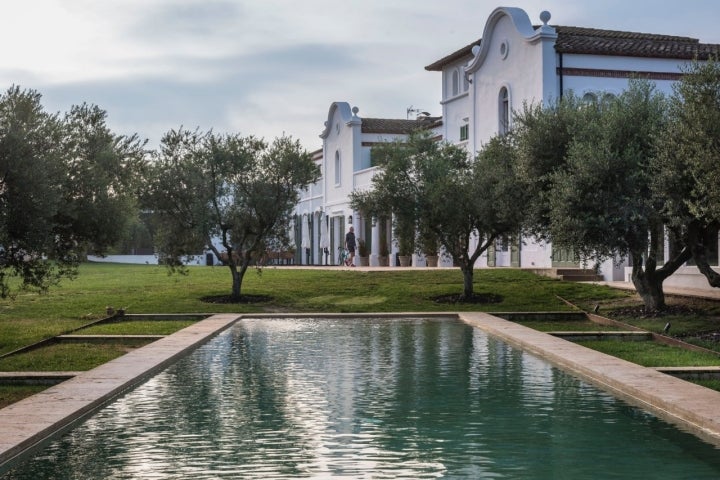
(475, 50)
(355, 110)
(545, 17)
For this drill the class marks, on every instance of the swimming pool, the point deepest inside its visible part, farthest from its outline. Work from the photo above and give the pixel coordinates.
(368, 398)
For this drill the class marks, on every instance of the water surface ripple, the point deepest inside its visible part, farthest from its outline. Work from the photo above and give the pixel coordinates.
(368, 398)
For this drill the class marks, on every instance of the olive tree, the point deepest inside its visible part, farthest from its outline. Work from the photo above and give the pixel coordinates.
(438, 188)
(687, 166)
(67, 184)
(596, 197)
(238, 191)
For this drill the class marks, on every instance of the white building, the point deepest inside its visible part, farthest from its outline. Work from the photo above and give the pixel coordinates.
(345, 164)
(515, 62)
(482, 83)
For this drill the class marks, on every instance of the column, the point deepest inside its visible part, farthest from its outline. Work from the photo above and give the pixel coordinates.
(375, 250)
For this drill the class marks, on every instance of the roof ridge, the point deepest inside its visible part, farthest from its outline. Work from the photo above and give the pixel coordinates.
(598, 41)
(573, 30)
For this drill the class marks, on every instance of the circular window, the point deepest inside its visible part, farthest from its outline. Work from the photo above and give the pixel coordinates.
(504, 49)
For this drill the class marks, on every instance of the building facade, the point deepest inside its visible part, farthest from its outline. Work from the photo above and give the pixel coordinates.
(323, 214)
(516, 62)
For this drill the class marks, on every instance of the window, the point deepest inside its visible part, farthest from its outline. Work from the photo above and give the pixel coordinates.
(504, 111)
(590, 98)
(455, 83)
(337, 168)
(464, 132)
(504, 49)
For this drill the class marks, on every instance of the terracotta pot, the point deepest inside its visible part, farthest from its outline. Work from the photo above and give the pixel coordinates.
(404, 260)
(431, 260)
(363, 261)
(383, 261)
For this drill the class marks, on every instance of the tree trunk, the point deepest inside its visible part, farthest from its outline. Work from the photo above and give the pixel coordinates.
(648, 279)
(650, 289)
(467, 271)
(236, 282)
(699, 252)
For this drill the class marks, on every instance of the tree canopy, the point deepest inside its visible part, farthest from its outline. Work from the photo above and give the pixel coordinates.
(437, 187)
(687, 165)
(67, 184)
(597, 197)
(237, 189)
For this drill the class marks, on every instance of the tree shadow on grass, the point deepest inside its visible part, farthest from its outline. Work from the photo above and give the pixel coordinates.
(229, 299)
(476, 298)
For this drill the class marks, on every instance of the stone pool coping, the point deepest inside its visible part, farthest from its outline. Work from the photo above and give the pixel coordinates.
(690, 407)
(27, 423)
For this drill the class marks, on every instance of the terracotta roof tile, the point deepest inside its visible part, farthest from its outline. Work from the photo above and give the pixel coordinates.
(593, 41)
(632, 44)
(398, 126)
(466, 51)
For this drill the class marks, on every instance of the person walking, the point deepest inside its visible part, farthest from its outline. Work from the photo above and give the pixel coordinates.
(350, 246)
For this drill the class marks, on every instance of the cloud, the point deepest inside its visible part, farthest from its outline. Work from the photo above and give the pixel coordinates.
(271, 66)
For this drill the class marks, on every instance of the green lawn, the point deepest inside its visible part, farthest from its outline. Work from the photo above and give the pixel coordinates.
(136, 327)
(653, 354)
(63, 357)
(150, 289)
(567, 326)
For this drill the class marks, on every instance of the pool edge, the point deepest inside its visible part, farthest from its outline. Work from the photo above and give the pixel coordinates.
(28, 423)
(690, 407)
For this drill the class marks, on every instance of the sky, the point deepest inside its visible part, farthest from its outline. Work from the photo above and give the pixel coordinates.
(272, 67)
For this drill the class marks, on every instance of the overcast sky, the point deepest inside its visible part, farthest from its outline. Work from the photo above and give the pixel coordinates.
(268, 67)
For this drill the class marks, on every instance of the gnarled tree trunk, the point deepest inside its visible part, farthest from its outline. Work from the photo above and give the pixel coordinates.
(648, 281)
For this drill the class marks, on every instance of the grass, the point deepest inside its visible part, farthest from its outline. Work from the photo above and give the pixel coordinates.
(137, 327)
(712, 384)
(150, 289)
(567, 326)
(12, 393)
(63, 357)
(688, 316)
(652, 354)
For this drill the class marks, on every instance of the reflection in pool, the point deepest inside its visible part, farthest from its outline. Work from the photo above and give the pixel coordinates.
(368, 398)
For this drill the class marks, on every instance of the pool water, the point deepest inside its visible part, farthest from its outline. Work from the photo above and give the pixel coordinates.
(368, 398)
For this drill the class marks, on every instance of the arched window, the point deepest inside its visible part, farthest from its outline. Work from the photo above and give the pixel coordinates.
(337, 168)
(455, 83)
(589, 98)
(504, 111)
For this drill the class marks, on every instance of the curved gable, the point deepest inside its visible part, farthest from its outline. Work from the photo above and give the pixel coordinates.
(346, 115)
(522, 24)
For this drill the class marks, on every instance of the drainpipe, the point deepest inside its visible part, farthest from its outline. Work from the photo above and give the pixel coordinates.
(561, 75)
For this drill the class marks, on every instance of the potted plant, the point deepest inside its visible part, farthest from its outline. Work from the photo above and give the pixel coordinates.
(363, 255)
(384, 254)
(428, 244)
(405, 233)
(405, 248)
